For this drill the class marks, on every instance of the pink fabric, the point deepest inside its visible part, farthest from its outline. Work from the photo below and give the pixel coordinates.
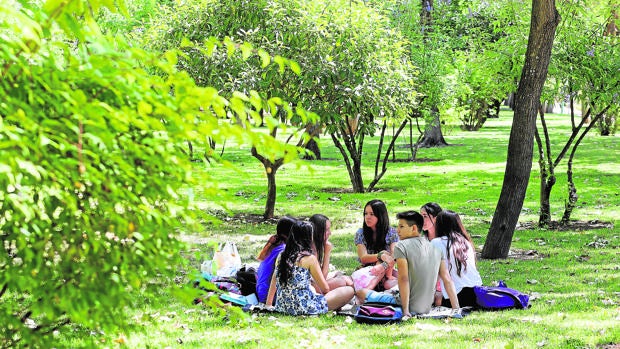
(362, 277)
(373, 311)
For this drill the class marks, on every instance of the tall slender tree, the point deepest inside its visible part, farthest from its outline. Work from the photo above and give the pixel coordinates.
(544, 21)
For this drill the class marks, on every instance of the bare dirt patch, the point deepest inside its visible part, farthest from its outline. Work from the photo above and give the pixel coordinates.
(521, 255)
(572, 225)
(526, 254)
(609, 346)
(417, 160)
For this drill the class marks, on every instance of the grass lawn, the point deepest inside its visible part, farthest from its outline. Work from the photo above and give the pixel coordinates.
(571, 275)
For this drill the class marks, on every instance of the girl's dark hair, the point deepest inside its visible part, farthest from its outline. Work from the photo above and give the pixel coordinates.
(320, 224)
(299, 244)
(432, 208)
(448, 223)
(383, 226)
(282, 231)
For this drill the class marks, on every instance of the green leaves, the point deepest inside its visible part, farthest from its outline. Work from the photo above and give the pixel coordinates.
(94, 167)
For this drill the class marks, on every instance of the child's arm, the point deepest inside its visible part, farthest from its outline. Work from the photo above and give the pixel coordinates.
(403, 284)
(312, 264)
(444, 274)
(272, 290)
(326, 256)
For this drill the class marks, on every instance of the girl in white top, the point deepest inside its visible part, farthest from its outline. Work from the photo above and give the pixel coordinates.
(458, 253)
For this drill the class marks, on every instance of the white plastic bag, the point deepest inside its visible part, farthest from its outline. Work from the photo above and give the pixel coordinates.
(227, 260)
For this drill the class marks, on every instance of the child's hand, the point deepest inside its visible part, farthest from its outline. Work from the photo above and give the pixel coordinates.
(377, 270)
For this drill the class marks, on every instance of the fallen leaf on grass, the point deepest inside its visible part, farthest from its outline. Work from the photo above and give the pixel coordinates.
(120, 340)
(608, 301)
(427, 327)
(582, 258)
(534, 295)
(533, 320)
(477, 340)
(532, 281)
(340, 339)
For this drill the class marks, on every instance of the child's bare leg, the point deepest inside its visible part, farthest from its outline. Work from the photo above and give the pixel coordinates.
(339, 281)
(438, 298)
(339, 297)
(378, 273)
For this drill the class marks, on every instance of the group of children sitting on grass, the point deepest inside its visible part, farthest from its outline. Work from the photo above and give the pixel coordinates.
(429, 259)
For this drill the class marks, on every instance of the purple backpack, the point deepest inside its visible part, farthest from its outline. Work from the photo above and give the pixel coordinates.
(500, 297)
(378, 313)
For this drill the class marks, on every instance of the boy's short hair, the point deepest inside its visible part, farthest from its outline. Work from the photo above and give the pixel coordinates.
(412, 217)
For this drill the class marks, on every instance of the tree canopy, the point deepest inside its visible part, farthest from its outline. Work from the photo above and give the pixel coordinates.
(94, 171)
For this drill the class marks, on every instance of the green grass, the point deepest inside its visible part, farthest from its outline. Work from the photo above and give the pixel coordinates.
(572, 275)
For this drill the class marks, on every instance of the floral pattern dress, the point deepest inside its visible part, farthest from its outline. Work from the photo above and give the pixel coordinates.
(296, 297)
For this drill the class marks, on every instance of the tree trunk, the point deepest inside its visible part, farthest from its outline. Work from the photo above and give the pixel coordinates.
(495, 108)
(379, 173)
(433, 137)
(510, 101)
(352, 162)
(271, 168)
(544, 21)
(313, 146)
(547, 180)
(314, 130)
(572, 190)
(549, 107)
(572, 196)
(270, 205)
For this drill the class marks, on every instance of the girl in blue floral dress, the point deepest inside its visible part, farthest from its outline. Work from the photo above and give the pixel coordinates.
(296, 268)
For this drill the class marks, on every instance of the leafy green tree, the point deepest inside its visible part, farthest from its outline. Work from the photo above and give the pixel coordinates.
(429, 50)
(578, 70)
(196, 27)
(360, 80)
(484, 37)
(544, 20)
(93, 172)
(353, 69)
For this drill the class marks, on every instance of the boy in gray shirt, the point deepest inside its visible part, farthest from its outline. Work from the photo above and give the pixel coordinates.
(419, 264)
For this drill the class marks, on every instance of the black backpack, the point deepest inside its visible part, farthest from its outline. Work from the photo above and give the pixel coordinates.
(246, 277)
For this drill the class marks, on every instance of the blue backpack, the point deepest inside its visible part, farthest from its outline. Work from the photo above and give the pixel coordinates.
(500, 297)
(378, 313)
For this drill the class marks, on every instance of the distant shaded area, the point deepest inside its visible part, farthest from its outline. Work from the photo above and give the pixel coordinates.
(572, 225)
(420, 160)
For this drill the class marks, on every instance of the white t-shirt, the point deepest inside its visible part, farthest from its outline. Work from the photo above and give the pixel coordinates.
(470, 277)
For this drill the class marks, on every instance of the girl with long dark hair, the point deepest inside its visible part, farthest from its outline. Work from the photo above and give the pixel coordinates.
(322, 249)
(375, 244)
(296, 268)
(429, 212)
(269, 254)
(458, 253)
